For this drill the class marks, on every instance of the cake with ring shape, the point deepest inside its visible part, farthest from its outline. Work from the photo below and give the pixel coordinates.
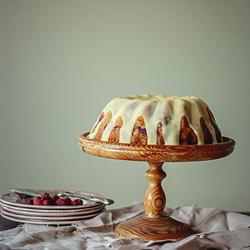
(156, 120)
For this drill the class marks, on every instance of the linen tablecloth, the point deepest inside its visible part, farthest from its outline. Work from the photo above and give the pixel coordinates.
(217, 229)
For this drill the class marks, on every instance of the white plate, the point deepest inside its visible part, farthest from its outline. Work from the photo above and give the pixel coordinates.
(43, 222)
(12, 208)
(48, 218)
(51, 212)
(14, 199)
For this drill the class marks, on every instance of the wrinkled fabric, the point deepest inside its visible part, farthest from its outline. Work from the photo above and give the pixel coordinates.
(216, 229)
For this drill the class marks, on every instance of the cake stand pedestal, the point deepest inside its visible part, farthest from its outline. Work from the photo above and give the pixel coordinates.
(154, 224)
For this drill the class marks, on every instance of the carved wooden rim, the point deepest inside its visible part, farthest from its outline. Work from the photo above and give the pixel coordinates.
(165, 153)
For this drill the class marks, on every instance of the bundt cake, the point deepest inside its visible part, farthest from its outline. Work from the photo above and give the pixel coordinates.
(156, 120)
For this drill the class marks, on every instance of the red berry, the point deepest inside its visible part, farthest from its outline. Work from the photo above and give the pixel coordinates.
(28, 202)
(76, 202)
(47, 202)
(45, 196)
(67, 201)
(25, 201)
(60, 202)
(54, 198)
(38, 200)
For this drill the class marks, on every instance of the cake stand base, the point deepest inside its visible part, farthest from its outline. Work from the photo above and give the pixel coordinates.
(145, 229)
(154, 224)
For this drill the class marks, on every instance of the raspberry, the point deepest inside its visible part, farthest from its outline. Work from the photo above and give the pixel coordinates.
(54, 198)
(76, 202)
(47, 202)
(67, 201)
(38, 200)
(45, 196)
(60, 202)
(28, 202)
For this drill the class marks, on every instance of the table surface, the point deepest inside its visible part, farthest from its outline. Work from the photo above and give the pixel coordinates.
(226, 231)
(8, 224)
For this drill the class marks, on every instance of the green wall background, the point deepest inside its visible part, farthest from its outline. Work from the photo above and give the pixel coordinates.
(62, 61)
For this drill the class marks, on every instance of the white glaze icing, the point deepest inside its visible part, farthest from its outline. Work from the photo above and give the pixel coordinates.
(168, 110)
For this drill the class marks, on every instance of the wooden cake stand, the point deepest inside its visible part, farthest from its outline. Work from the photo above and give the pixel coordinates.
(154, 224)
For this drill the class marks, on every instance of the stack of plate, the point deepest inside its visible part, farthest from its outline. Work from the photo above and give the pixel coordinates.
(12, 208)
